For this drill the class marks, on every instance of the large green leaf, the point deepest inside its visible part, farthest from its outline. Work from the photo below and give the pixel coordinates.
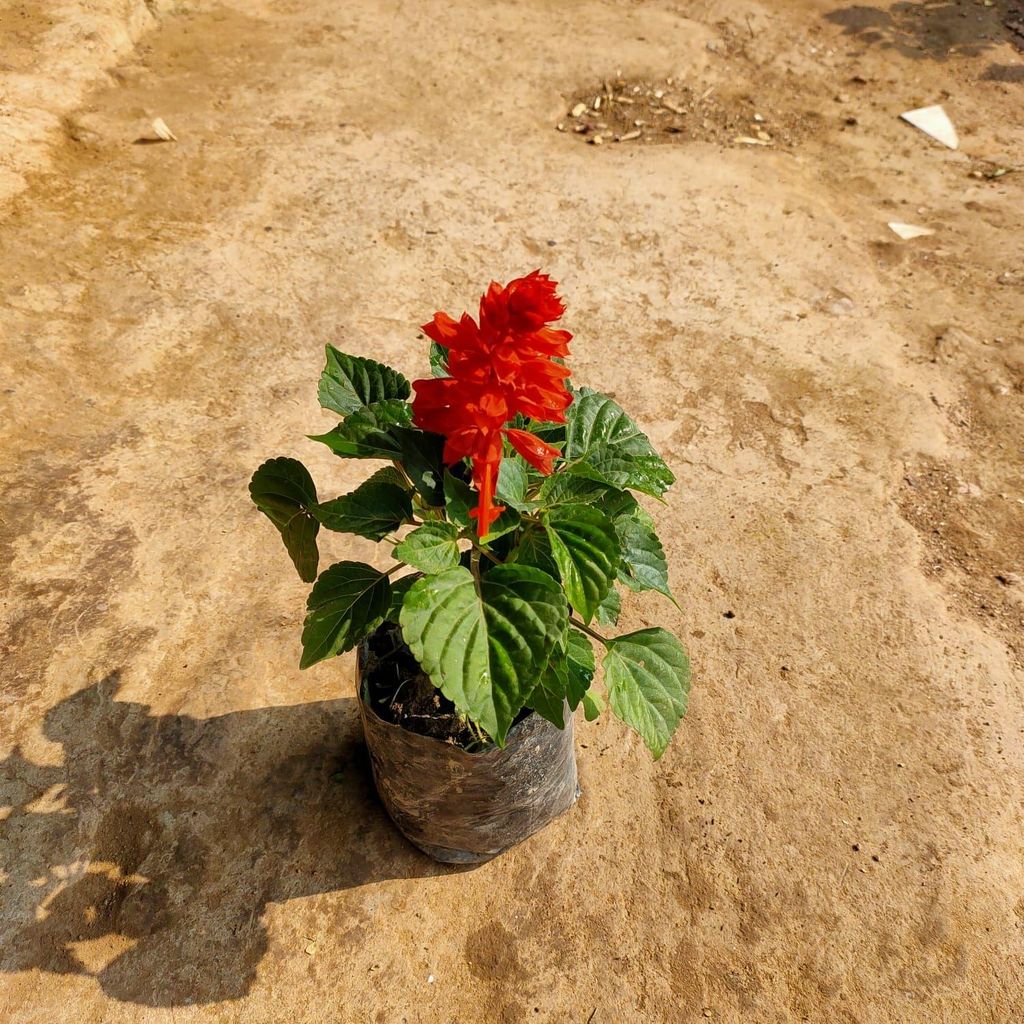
(348, 601)
(586, 549)
(350, 382)
(459, 499)
(548, 696)
(610, 608)
(581, 666)
(566, 489)
(643, 565)
(647, 675)
(622, 505)
(511, 486)
(368, 433)
(284, 492)
(377, 507)
(431, 548)
(593, 705)
(484, 645)
(566, 677)
(421, 455)
(534, 548)
(604, 444)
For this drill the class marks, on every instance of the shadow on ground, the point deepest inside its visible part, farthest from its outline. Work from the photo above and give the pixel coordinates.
(148, 857)
(934, 31)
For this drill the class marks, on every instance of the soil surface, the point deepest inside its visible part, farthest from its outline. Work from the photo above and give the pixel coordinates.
(400, 692)
(187, 828)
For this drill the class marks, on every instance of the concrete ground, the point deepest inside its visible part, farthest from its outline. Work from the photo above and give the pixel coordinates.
(187, 831)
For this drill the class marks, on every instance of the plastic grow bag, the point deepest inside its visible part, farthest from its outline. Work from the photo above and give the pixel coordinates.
(464, 808)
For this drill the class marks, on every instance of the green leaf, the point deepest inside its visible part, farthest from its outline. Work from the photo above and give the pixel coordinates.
(348, 601)
(643, 565)
(350, 382)
(458, 499)
(391, 413)
(604, 444)
(566, 677)
(548, 697)
(593, 705)
(508, 521)
(586, 549)
(610, 608)
(438, 360)
(566, 489)
(647, 674)
(511, 486)
(580, 666)
(284, 492)
(431, 548)
(367, 433)
(534, 549)
(484, 645)
(377, 507)
(422, 457)
(618, 505)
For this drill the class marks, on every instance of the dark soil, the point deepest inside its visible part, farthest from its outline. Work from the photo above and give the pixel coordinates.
(400, 692)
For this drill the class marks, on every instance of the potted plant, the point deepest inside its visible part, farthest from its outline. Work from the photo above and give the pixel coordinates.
(507, 500)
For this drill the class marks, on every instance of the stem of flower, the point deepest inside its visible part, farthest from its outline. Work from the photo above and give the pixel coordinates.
(586, 629)
(477, 551)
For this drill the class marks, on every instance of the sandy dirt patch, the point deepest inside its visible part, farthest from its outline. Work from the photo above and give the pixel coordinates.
(187, 832)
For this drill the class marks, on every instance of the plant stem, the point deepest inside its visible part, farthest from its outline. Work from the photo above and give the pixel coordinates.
(395, 568)
(586, 629)
(477, 551)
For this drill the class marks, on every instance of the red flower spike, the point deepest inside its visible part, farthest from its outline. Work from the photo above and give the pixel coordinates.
(501, 367)
(523, 306)
(486, 511)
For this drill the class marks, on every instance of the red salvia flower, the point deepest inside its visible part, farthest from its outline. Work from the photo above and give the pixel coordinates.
(501, 366)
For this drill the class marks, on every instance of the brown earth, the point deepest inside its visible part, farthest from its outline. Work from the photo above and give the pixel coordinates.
(188, 833)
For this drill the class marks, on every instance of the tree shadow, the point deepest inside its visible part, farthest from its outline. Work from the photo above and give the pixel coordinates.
(934, 31)
(147, 859)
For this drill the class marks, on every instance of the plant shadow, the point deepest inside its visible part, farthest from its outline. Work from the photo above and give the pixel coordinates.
(935, 31)
(147, 859)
